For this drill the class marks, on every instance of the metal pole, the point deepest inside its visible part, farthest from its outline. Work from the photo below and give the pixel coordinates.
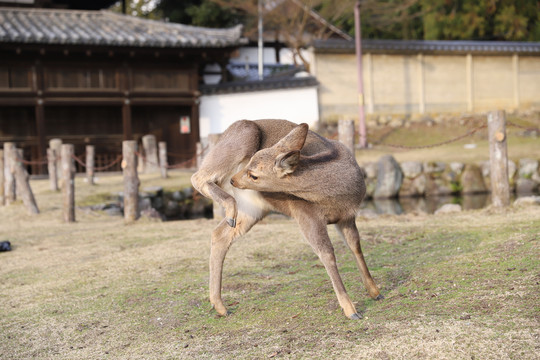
(358, 43)
(261, 43)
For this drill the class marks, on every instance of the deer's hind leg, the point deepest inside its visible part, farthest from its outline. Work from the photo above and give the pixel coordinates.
(347, 228)
(235, 147)
(222, 238)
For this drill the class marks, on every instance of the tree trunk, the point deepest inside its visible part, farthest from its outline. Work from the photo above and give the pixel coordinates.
(21, 179)
(498, 155)
(163, 164)
(9, 181)
(56, 144)
(131, 181)
(2, 190)
(68, 189)
(51, 167)
(90, 154)
(151, 164)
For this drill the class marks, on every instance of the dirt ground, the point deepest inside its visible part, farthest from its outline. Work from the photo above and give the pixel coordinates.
(457, 286)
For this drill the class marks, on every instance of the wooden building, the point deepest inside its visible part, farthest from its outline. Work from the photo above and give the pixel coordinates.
(98, 77)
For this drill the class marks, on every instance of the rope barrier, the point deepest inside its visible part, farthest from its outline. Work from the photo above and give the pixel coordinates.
(513, 124)
(457, 138)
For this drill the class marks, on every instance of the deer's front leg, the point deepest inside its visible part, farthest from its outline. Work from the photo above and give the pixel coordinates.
(222, 238)
(316, 234)
(221, 241)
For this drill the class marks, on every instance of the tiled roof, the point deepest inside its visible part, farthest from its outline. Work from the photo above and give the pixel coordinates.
(105, 28)
(425, 46)
(250, 72)
(263, 85)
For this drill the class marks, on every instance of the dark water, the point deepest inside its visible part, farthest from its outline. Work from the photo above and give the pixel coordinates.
(427, 205)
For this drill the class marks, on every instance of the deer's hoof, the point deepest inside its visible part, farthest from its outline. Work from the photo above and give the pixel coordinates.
(231, 222)
(379, 297)
(355, 316)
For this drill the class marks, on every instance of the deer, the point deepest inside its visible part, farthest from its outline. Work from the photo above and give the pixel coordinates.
(260, 166)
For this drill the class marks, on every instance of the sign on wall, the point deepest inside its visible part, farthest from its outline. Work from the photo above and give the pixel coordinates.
(185, 125)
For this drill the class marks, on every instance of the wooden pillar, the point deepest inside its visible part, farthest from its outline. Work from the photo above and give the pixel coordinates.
(498, 155)
(51, 166)
(2, 190)
(163, 163)
(68, 176)
(131, 181)
(40, 130)
(23, 186)
(90, 155)
(126, 120)
(151, 163)
(9, 180)
(346, 133)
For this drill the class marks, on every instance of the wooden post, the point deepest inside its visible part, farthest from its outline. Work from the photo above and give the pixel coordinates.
(9, 182)
(68, 188)
(90, 155)
(498, 155)
(2, 191)
(21, 178)
(51, 167)
(131, 181)
(163, 164)
(346, 133)
(56, 144)
(151, 164)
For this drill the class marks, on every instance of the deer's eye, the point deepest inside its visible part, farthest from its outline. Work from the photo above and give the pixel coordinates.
(252, 177)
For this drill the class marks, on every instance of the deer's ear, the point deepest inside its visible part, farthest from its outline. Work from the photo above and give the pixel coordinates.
(286, 163)
(294, 140)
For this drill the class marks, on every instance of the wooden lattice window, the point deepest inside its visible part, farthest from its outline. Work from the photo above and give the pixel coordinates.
(81, 78)
(15, 77)
(161, 79)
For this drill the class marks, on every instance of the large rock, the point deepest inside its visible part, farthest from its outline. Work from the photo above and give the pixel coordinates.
(389, 177)
(411, 169)
(528, 168)
(527, 201)
(448, 208)
(370, 170)
(413, 187)
(472, 181)
(435, 167)
(526, 186)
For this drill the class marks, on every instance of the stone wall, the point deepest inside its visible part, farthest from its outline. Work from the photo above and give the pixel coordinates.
(389, 179)
(426, 83)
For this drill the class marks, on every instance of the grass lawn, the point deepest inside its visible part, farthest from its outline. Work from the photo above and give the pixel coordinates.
(477, 149)
(457, 286)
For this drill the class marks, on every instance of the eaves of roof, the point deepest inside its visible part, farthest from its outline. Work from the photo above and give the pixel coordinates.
(428, 46)
(105, 28)
(263, 85)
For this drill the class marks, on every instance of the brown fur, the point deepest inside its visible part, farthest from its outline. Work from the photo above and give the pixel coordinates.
(275, 165)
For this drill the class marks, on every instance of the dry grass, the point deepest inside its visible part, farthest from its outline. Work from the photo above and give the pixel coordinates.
(462, 286)
(419, 134)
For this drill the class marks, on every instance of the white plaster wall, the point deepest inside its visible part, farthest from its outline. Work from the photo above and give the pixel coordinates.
(298, 105)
